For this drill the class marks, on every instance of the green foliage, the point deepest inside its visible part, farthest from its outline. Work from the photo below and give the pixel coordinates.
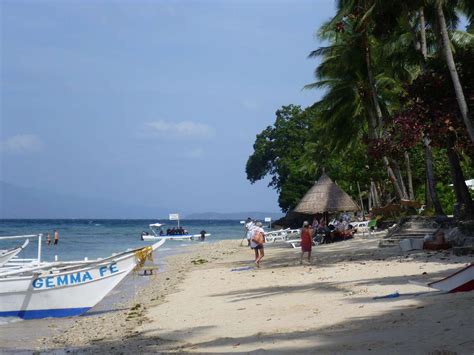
(281, 152)
(371, 39)
(294, 152)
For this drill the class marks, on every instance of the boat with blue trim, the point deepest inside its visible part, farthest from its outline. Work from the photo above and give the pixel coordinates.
(62, 289)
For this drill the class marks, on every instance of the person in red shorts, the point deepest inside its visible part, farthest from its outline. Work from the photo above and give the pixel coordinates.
(306, 241)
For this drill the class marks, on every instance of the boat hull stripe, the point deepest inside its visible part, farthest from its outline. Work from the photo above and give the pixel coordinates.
(46, 313)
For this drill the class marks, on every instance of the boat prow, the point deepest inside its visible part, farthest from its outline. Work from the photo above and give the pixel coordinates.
(460, 281)
(7, 255)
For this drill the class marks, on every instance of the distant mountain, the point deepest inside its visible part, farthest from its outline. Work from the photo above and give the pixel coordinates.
(21, 202)
(235, 215)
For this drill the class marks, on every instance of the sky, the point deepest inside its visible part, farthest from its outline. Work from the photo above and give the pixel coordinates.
(150, 102)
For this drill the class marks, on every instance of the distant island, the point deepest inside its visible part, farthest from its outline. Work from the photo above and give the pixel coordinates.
(235, 215)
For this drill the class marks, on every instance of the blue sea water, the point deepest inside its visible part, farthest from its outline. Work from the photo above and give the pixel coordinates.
(79, 238)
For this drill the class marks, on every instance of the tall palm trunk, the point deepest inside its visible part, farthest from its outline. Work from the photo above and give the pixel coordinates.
(465, 203)
(431, 194)
(411, 194)
(424, 47)
(431, 183)
(398, 174)
(378, 115)
(448, 54)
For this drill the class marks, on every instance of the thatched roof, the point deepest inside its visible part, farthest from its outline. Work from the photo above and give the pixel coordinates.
(325, 196)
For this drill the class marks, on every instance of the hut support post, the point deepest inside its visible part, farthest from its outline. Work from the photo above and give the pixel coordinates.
(370, 199)
(361, 201)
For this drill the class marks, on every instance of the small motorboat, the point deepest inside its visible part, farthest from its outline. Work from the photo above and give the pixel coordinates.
(157, 233)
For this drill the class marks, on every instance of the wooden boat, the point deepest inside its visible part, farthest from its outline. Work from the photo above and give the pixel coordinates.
(460, 281)
(62, 289)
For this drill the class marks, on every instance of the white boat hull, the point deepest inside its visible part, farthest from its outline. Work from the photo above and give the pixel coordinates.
(149, 238)
(50, 293)
(461, 281)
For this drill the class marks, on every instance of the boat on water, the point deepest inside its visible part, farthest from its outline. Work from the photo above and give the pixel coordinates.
(62, 289)
(157, 233)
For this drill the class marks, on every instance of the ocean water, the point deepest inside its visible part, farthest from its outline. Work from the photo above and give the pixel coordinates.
(100, 238)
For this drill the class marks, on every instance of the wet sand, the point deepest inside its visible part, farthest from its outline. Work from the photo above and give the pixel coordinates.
(198, 304)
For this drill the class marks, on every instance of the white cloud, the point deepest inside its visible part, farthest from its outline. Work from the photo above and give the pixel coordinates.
(22, 143)
(183, 129)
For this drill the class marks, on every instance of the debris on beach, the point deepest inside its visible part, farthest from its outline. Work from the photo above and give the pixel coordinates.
(199, 261)
(243, 268)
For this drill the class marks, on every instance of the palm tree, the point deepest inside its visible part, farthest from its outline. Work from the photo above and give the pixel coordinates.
(448, 54)
(350, 70)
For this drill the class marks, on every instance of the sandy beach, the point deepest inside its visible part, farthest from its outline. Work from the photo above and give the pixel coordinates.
(214, 300)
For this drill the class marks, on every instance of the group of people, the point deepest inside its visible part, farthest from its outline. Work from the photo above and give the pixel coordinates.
(175, 231)
(55, 236)
(338, 229)
(255, 238)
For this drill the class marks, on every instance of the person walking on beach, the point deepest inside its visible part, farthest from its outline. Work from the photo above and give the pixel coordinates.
(249, 226)
(56, 237)
(48, 239)
(306, 241)
(256, 242)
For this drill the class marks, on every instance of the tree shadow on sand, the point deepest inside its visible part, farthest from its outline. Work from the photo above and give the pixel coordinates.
(395, 331)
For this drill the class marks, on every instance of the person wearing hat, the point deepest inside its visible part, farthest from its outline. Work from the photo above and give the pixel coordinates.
(306, 241)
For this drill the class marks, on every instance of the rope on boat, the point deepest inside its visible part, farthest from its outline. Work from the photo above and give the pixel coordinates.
(142, 256)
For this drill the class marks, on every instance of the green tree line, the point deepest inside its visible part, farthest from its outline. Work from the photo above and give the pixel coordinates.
(396, 115)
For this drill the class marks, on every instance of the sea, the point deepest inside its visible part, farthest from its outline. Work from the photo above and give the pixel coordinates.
(99, 238)
(80, 238)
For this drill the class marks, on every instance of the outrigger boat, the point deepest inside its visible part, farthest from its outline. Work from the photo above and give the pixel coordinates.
(158, 234)
(62, 289)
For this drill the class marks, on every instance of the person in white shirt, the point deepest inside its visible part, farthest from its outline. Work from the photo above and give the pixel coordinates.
(249, 225)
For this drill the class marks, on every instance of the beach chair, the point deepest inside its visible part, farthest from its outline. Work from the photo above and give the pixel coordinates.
(295, 243)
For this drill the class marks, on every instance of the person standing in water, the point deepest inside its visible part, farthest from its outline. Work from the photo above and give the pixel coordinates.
(48, 239)
(306, 241)
(56, 237)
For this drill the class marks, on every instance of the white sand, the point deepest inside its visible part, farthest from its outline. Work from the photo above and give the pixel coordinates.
(326, 307)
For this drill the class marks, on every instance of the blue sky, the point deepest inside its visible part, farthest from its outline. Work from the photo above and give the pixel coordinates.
(150, 102)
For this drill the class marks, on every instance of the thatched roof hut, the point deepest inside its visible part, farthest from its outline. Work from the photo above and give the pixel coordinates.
(325, 196)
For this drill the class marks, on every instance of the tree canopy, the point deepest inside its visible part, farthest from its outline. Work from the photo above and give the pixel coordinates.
(396, 114)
